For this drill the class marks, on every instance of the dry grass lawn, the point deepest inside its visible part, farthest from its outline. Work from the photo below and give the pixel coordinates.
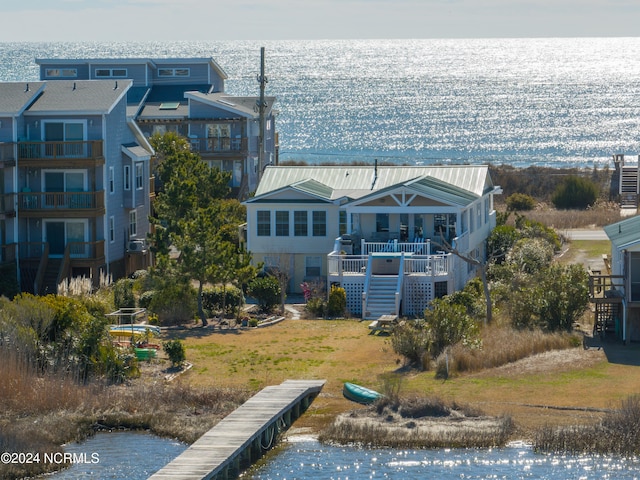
(564, 387)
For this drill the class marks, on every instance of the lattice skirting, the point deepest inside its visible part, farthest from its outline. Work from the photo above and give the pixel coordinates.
(354, 296)
(416, 295)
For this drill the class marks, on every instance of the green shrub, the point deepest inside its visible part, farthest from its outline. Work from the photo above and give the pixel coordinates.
(316, 306)
(266, 291)
(448, 324)
(123, 293)
(520, 201)
(500, 241)
(174, 303)
(575, 192)
(213, 298)
(146, 298)
(412, 341)
(175, 351)
(563, 293)
(530, 255)
(337, 303)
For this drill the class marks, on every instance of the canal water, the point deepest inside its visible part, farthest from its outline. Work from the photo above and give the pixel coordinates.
(133, 456)
(119, 455)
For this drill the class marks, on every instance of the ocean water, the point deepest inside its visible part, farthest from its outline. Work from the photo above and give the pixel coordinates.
(555, 102)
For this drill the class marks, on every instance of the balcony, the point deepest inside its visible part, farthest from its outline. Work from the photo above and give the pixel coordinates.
(339, 265)
(60, 154)
(606, 288)
(219, 145)
(65, 204)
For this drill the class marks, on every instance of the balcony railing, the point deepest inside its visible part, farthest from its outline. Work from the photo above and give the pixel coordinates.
(218, 144)
(413, 265)
(606, 288)
(30, 153)
(29, 201)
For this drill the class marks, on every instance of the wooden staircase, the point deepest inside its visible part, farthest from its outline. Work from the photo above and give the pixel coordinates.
(606, 315)
(629, 186)
(50, 278)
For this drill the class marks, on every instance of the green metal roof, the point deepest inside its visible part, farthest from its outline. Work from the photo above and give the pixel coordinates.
(624, 233)
(455, 184)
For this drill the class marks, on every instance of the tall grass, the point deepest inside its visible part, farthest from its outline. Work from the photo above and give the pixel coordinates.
(418, 423)
(617, 433)
(503, 345)
(42, 411)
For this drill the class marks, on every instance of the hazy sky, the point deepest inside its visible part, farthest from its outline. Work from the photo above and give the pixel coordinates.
(162, 20)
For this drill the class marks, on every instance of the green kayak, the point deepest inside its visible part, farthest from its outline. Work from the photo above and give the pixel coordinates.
(357, 393)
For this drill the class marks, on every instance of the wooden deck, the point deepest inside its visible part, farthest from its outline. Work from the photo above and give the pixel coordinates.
(244, 435)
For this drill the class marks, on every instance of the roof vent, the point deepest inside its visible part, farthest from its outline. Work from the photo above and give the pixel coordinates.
(74, 85)
(26, 88)
(115, 87)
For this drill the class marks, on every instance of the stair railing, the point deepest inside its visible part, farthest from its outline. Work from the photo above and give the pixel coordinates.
(42, 267)
(365, 290)
(65, 266)
(398, 293)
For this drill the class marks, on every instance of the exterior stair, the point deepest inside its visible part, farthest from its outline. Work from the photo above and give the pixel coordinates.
(381, 296)
(629, 187)
(50, 279)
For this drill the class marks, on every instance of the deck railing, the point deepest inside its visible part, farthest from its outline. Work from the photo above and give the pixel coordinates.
(609, 287)
(28, 150)
(60, 200)
(419, 247)
(438, 264)
(218, 144)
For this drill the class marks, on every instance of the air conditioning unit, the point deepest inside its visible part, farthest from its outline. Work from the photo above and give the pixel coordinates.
(136, 246)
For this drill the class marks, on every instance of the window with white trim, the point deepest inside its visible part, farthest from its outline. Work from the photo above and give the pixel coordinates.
(282, 223)
(127, 177)
(319, 223)
(111, 72)
(112, 180)
(61, 72)
(112, 229)
(264, 223)
(139, 176)
(133, 223)
(300, 223)
(174, 72)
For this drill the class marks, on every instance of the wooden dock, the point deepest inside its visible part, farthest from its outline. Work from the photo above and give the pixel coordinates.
(244, 435)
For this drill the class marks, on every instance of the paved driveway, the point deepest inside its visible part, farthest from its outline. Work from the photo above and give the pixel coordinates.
(584, 234)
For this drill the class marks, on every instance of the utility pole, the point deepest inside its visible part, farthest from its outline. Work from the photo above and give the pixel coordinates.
(261, 105)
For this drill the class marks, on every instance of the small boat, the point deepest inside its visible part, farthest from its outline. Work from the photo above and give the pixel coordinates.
(357, 393)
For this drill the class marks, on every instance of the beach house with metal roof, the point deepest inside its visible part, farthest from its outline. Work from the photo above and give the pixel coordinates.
(187, 96)
(380, 232)
(75, 181)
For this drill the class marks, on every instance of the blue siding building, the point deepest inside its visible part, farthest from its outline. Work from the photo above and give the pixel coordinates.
(75, 187)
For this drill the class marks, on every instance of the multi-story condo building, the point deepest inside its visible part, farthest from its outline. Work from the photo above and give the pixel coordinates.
(186, 96)
(75, 181)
